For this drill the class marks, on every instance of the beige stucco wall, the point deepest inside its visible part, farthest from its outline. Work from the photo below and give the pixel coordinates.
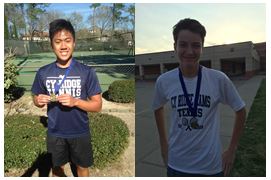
(213, 53)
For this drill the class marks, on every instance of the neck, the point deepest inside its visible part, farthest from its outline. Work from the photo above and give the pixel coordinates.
(63, 64)
(189, 72)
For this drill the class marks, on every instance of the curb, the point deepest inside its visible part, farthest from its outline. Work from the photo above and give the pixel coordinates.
(118, 110)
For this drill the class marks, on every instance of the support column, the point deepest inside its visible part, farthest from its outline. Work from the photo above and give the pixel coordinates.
(141, 72)
(162, 68)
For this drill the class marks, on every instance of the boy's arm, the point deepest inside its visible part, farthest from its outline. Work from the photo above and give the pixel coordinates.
(41, 100)
(160, 122)
(94, 104)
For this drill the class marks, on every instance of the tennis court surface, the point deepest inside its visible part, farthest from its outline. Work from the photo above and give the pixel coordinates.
(109, 66)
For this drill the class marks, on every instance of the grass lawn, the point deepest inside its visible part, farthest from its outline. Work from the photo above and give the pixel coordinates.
(251, 155)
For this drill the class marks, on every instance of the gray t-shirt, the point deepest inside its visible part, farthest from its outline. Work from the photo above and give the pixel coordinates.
(194, 143)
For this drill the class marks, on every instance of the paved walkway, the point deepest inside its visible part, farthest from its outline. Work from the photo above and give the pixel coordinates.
(148, 158)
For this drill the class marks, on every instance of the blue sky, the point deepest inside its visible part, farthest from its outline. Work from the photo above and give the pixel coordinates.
(71, 7)
(68, 8)
(224, 23)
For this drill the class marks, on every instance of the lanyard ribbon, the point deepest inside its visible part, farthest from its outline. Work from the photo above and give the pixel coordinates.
(193, 110)
(57, 86)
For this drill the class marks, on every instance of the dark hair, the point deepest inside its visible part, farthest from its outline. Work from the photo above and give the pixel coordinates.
(58, 25)
(191, 25)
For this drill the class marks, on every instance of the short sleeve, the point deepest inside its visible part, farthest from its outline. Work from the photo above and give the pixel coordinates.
(38, 86)
(230, 96)
(159, 98)
(93, 86)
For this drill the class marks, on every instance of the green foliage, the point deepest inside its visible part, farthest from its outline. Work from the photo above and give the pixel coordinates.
(122, 91)
(94, 6)
(35, 9)
(117, 13)
(251, 154)
(110, 138)
(25, 139)
(10, 76)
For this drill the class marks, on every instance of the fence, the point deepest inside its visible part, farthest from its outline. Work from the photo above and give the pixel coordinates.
(119, 46)
(107, 73)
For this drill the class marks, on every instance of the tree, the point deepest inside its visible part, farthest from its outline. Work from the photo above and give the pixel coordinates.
(6, 35)
(45, 19)
(117, 9)
(103, 18)
(34, 10)
(131, 19)
(83, 34)
(10, 75)
(131, 15)
(94, 6)
(14, 32)
(21, 7)
(127, 21)
(53, 14)
(42, 25)
(76, 20)
(13, 19)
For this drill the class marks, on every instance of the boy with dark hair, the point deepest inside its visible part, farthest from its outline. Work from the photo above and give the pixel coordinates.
(194, 93)
(70, 90)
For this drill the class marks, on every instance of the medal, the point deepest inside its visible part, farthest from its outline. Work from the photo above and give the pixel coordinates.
(194, 123)
(192, 109)
(57, 86)
(53, 97)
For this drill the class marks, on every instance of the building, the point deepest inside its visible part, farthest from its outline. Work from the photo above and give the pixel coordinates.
(261, 49)
(238, 59)
(36, 36)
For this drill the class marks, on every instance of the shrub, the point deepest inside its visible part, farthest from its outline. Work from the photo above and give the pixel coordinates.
(25, 140)
(122, 91)
(10, 76)
(110, 138)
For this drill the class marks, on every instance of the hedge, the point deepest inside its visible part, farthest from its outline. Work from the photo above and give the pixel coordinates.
(25, 140)
(10, 77)
(110, 138)
(122, 91)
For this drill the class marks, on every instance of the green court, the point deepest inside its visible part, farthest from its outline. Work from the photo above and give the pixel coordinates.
(109, 66)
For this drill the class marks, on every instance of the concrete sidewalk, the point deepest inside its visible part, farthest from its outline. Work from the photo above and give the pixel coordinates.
(148, 157)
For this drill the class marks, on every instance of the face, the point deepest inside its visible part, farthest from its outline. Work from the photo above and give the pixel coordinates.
(188, 49)
(63, 45)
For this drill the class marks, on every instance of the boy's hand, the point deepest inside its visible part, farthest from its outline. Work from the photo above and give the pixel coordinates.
(42, 100)
(228, 158)
(67, 100)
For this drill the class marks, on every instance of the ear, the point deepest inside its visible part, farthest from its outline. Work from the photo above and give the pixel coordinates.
(174, 45)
